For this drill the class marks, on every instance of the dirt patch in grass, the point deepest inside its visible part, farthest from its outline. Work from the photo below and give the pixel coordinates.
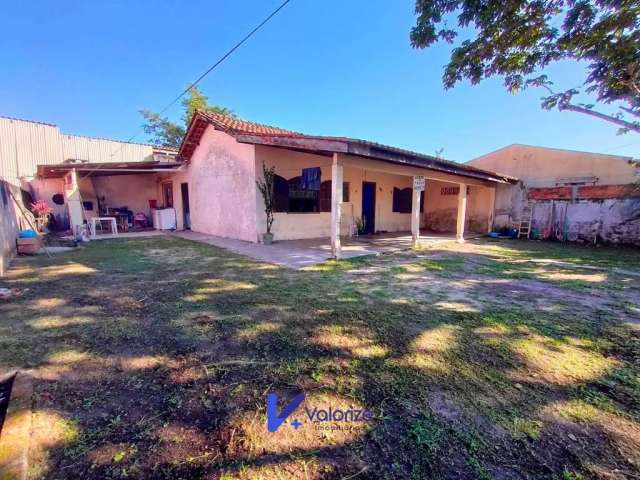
(153, 359)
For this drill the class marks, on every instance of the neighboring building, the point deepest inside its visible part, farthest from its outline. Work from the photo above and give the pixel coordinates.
(550, 167)
(576, 195)
(26, 146)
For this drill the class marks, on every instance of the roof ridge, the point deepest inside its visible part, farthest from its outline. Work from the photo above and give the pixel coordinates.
(162, 147)
(260, 134)
(7, 117)
(543, 147)
(571, 150)
(283, 132)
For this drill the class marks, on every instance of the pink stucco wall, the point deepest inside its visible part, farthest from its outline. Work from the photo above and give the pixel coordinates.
(45, 189)
(289, 164)
(441, 210)
(132, 191)
(224, 200)
(222, 189)
(541, 166)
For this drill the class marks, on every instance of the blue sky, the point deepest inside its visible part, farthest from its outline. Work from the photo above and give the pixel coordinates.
(326, 67)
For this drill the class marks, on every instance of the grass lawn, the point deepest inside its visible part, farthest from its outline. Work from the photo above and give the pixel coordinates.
(152, 358)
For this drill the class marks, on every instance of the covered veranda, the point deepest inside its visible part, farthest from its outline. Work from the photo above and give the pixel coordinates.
(106, 195)
(429, 197)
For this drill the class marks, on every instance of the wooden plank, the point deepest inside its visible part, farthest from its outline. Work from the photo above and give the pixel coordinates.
(394, 169)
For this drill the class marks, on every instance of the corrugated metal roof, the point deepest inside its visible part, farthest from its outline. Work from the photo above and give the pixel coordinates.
(94, 150)
(30, 121)
(25, 144)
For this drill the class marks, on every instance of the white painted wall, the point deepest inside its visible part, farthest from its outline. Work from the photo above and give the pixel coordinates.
(614, 220)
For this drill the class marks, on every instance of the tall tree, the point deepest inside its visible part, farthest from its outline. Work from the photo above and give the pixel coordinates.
(166, 133)
(518, 39)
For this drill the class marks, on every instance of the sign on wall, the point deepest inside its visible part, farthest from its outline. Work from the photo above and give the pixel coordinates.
(418, 183)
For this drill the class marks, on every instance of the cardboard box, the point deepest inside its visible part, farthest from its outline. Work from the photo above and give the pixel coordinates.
(29, 245)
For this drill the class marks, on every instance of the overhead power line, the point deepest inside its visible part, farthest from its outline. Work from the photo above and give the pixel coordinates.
(201, 77)
(225, 56)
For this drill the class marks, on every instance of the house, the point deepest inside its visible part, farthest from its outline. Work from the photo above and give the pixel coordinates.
(324, 185)
(575, 195)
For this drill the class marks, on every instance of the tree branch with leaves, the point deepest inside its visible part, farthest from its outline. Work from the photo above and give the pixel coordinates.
(518, 39)
(166, 133)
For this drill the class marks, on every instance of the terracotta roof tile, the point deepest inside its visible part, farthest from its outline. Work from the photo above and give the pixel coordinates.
(280, 136)
(237, 125)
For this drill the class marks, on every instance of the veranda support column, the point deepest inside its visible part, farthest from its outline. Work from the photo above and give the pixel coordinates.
(492, 207)
(336, 205)
(462, 212)
(415, 216)
(74, 201)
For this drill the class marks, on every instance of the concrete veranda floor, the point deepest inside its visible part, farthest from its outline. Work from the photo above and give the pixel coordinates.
(298, 254)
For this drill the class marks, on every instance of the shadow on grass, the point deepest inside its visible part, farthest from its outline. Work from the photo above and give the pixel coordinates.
(157, 354)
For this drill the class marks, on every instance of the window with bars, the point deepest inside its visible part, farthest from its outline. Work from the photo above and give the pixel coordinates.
(403, 200)
(289, 197)
(167, 194)
(325, 195)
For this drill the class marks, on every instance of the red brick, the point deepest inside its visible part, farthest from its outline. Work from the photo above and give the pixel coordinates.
(550, 193)
(594, 192)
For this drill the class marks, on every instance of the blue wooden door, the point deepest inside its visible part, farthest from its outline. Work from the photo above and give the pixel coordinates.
(369, 206)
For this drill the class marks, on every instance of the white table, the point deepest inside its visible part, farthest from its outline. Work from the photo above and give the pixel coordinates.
(94, 220)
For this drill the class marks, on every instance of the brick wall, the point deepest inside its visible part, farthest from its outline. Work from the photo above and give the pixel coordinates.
(587, 192)
(550, 193)
(594, 192)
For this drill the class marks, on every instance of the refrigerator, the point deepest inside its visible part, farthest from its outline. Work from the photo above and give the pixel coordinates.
(164, 219)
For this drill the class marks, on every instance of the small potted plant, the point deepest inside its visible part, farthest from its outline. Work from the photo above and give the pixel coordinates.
(360, 225)
(265, 185)
(42, 211)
